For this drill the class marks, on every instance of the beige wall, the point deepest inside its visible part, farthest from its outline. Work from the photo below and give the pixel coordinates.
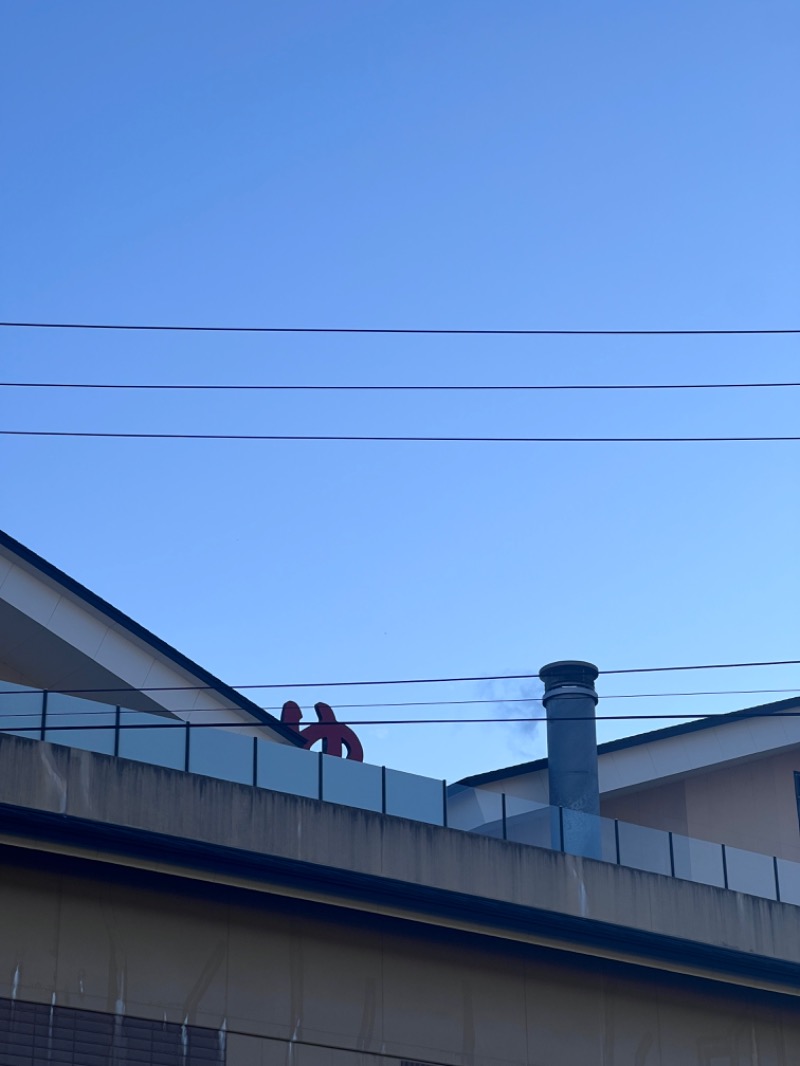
(748, 805)
(297, 984)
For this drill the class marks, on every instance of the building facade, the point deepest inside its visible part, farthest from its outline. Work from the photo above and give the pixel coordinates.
(245, 901)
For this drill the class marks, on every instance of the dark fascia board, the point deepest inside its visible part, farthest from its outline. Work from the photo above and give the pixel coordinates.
(118, 618)
(353, 888)
(711, 722)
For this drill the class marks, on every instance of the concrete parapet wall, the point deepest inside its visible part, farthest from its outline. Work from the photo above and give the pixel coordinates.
(115, 792)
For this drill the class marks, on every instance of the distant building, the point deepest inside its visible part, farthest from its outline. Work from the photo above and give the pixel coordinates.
(174, 892)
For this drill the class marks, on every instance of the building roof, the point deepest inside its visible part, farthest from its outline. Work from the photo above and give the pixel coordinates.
(57, 634)
(686, 730)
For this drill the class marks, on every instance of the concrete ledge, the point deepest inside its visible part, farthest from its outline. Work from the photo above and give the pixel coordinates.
(51, 779)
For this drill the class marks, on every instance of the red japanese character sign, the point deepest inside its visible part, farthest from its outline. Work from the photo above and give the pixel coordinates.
(334, 735)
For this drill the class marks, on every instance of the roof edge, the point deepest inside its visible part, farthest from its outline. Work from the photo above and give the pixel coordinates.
(136, 630)
(709, 722)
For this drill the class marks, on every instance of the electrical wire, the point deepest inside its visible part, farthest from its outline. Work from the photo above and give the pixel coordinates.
(390, 388)
(745, 715)
(426, 680)
(392, 330)
(387, 439)
(424, 703)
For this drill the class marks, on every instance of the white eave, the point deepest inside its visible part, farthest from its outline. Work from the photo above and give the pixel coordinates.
(57, 635)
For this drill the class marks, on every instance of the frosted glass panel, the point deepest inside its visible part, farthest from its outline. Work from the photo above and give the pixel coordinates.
(20, 710)
(644, 848)
(355, 784)
(285, 769)
(588, 835)
(750, 872)
(412, 796)
(475, 810)
(789, 880)
(529, 822)
(222, 754)
(698, 860)
(161, 742)
(72, 711)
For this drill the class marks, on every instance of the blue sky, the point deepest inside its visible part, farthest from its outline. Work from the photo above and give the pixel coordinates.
(469, 165)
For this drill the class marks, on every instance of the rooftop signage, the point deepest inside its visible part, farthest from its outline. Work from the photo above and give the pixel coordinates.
(335, 736)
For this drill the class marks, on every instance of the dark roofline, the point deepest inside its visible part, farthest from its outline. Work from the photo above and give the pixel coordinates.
(709, 722)
(118, 618)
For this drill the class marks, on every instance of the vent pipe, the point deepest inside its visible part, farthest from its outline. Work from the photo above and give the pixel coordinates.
(570, 699)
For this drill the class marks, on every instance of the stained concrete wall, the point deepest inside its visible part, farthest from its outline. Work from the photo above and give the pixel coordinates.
(118, 792)
(333, 981)
(297, 984)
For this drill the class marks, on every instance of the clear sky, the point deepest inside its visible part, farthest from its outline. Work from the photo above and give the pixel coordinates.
(418, 164)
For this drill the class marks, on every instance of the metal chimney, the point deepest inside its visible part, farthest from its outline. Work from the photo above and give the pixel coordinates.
(570, 699)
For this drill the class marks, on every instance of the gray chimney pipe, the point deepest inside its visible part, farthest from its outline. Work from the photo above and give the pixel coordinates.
(569, 700)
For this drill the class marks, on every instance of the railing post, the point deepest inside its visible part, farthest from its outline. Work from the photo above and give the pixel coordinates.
(561, 828)
(186, 750)
(724, 866)
(383, 790)
(616, 839)
(777, 879)
(505, 823)
(44, 716)
(671, 856)
(319, 776)
(444, 804)
(117, 716)
(255, 761)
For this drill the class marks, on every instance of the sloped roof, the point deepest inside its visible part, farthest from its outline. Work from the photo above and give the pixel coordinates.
(57, 634)
(684, 730)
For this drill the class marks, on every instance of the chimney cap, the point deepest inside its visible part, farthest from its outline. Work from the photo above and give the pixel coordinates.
(569, 672)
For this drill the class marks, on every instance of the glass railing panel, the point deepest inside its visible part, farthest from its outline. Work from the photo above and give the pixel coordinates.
(20, 710)
(285, 769)
(152, 738)
(475, 810)
(529, 822)
(221, 753)
(415, 797)
(698, 860)
(92, 723)
(354, 784)
(750, 872)
(643, 848)
(588, 835)
(789, 880)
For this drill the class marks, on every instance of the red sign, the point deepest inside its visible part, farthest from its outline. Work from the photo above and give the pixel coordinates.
(334, 735)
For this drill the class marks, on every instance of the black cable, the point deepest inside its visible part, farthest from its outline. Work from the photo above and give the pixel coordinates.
(414, 703)
(431, 332)
(704, 666)
(391, 388)
(389, 439)
(416, 680)
(746, 715)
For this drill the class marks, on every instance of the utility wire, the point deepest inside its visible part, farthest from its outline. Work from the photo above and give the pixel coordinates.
(430, 332)
(423, 721)
(420, 680)
(384, 439)
(390, 388)
(431, 703)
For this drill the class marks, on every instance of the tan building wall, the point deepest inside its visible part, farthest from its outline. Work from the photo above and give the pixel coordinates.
(748, 804)
(299, 984)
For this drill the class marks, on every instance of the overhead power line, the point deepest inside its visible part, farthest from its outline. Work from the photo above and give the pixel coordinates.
(106, 708)
(121, 386)
(418, 681)
(413, 721)
(369, 438)
(394, 330)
